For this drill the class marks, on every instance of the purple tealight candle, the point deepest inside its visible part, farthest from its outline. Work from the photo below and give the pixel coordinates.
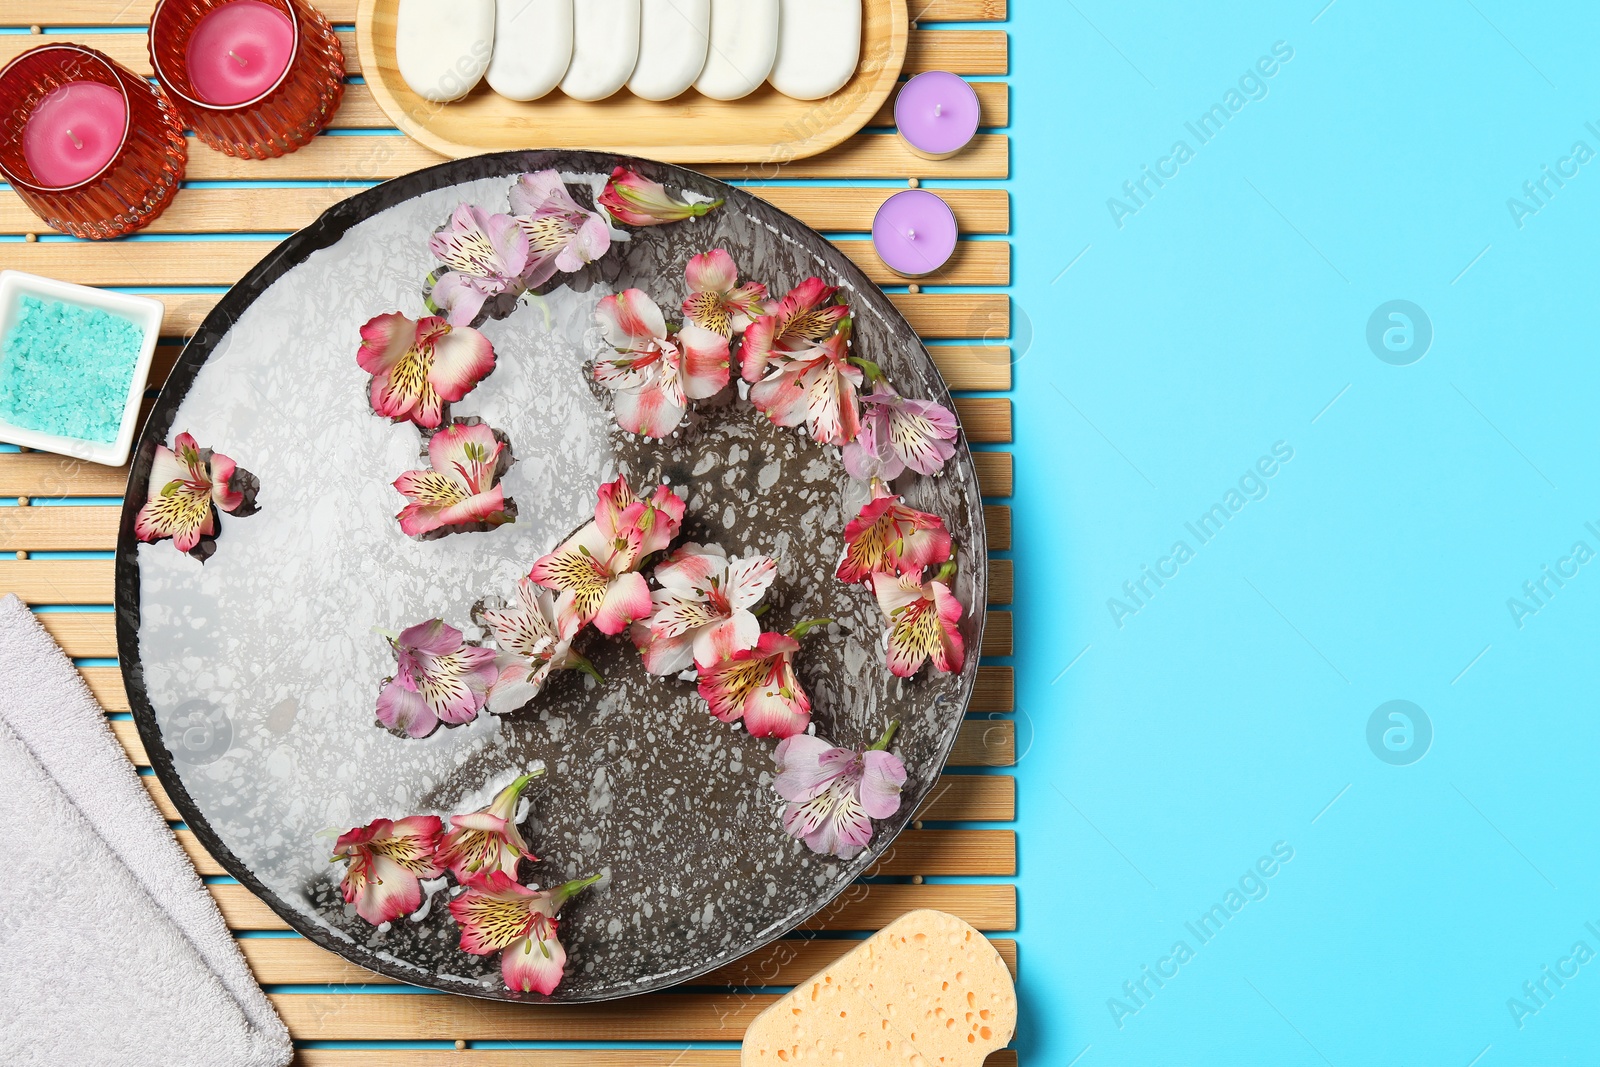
(914, 232)
(937, 113)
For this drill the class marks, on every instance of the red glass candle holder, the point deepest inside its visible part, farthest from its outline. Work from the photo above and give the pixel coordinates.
(139, 180)
(281, 119)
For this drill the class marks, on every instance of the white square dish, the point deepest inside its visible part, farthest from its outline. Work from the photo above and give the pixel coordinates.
(144, 312)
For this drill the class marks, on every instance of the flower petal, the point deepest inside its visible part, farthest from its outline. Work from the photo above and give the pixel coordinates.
(462, 357)
(801, 773)
(704, 361)
(630, 317)
(881, 779)
(531, 965)
(648, 410)
(400, 708)
(711, 272)
(626, 599)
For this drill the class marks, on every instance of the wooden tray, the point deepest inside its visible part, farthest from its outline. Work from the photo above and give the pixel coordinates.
(765, 126)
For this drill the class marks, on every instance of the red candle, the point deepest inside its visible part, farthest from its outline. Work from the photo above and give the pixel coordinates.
(74, 132)
(92, 148)
(251, 77)
(239, 51)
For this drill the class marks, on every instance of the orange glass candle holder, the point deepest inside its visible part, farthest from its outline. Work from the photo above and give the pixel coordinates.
(130, 174)
(286, 115)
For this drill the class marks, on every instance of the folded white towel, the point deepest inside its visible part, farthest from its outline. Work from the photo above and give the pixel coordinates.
(111, 950)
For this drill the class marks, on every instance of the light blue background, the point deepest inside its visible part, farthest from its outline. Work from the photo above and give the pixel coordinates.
(1226, 715)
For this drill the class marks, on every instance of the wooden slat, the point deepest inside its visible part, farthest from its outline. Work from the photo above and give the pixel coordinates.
(975, 367)
(380, 156)
(76, 581)
(285, 960)
(970, 797)
(958, 51)
(932, 852)
(986, 419)
(994, 472)
(343, 12)
(985, 743)
(106, 685)
(997, 524)
(83, 633)
(997, 634)
(990, 908)
(958, 10)
(127, 735)
(413, 1017)
(995, 691)
(128, 263)
(275, 210)
(82, 529)
(1002, 581)
(981, 743)
(574, 1057)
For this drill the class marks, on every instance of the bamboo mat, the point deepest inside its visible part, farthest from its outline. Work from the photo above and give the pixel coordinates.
(58, 522)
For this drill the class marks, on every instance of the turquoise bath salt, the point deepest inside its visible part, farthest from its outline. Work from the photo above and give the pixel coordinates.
(66, 370)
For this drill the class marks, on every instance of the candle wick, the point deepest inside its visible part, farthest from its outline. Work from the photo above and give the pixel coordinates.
(75, 142)
(938, 109)
(911, 235)
(237, 59)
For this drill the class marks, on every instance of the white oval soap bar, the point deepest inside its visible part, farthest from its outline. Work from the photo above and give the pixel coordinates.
(744, 41)
(532, 47)
(673, 36)
(926, 989)
(605, 47)
(442, 47)
(819, 45)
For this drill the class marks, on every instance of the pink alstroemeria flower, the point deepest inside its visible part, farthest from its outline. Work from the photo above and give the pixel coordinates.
(487, 839)
(658, 370)
(534, 639)
(487, 256)
(799, 322)
(417, 366)
(701, 613)
(888, 536)
(388, 859)
(462, 486)
(186, 488)
(924, 621)
(496, 914)
(898, 433)
(636, 200)
(596, 570)
(562, 235)
(716, 299)
(759, 685)
(440, 678)
(835, 793)
(816, 387)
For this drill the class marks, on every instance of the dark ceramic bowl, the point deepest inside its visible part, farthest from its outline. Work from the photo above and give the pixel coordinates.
(253, 676)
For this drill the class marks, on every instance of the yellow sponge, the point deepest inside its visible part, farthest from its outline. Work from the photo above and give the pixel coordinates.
(926, 991)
